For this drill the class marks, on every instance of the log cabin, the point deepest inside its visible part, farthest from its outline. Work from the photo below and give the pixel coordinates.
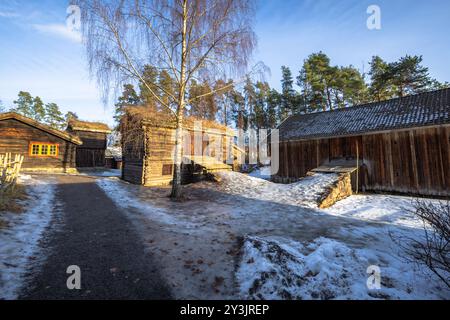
(45, 149)
(94, 136)
(148, 143)
(399, 145)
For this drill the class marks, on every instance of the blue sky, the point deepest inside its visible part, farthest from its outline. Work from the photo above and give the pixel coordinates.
(39, 55)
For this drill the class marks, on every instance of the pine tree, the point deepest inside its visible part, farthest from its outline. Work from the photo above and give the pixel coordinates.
(38, 109)
(239, 111)
(381, 86)
(205, 107)
(249, 94)
(409, 76)
(224, 100)
(70, 115)
(287, 93)
(129, 97)
(167, 89)
(150, 75)
(272, 112)
(24, 104)
(54, 117)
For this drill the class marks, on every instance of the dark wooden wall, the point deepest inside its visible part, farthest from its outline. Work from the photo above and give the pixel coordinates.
(15, 137)
(413, 161)
(92, 152)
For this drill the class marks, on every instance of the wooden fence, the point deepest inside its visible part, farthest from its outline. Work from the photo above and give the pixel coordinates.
(9, 170)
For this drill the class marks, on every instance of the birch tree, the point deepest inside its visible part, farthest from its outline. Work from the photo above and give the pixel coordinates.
(197, 40)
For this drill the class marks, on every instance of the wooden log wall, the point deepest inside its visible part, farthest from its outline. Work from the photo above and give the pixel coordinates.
(15, 137)
(410, 161)
(155, 155)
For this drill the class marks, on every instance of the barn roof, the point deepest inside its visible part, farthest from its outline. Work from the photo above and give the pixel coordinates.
(58, 133)
(78, 125)
(424, 109)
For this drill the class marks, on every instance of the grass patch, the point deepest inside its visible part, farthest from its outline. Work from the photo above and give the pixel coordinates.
(11, 199)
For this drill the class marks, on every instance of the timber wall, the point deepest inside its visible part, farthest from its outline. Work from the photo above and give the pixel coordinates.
(15, 137)
(413, 161)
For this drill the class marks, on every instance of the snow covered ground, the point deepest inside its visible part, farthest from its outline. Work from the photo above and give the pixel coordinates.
(249, 238)
(305, 192)
(19, 239)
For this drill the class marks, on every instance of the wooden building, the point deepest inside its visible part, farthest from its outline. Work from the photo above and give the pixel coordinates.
(44, 149)
(94, 137)
(148, 143)
(400, 145)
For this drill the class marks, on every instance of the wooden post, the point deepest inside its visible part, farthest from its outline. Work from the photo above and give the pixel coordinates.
(357, 167)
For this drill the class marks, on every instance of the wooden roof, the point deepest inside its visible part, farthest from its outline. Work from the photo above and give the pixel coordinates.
(152, 118)
(58, 133)
(424, 109)
(78, 125)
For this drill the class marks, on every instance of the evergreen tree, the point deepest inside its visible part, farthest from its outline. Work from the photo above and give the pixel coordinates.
(224, 100)
(129, 97)
(24, 104)
(349, 88)
(273, 105)
(288, 93)
(70, 115)
(316, 79)
(205, 107)
(409, 76)
(2, 107)
(249, 94)
(166, 89)
(381, 86)
(38, 109)
(150, 75)
(54, 117)
(239, 111)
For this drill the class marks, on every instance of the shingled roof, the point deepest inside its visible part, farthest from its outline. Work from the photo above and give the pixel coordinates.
(424, 109)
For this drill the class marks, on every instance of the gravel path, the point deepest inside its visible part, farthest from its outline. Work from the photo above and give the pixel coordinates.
(91, 232)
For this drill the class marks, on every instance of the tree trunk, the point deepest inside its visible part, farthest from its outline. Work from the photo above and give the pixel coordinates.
(176, 183)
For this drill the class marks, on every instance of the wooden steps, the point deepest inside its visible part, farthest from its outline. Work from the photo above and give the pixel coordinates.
(210, 164)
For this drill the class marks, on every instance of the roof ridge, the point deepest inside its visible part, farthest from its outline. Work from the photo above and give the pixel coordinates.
(416, 95)
(44, 127)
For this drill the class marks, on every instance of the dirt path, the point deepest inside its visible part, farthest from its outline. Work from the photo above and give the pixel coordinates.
(91, 232)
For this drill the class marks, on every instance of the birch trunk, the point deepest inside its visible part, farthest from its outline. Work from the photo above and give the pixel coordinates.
(176, 183)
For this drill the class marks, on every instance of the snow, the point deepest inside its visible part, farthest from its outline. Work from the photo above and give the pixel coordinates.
(305, 192)
(380, 208)
(299, 250)
(19, 239)
(261, 172)
(101, 172)
(324, 269)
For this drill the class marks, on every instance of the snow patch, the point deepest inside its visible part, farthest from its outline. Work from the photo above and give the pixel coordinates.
(279, 268)
(305, 192)
(19, 239)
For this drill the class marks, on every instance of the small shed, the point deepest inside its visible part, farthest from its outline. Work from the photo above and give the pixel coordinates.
(113, 157)
(95, 138)
(45, 149)
(399, 145)
(148, 143)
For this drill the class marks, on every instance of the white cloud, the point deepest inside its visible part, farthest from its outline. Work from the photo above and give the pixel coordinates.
(60, 30)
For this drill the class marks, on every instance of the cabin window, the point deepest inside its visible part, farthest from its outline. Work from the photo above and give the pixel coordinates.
(38, 149)
(167, 169)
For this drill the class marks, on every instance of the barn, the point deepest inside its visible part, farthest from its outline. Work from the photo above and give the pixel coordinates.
(399, 145)
(148, 142)
(45, 149)
(94, 136)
